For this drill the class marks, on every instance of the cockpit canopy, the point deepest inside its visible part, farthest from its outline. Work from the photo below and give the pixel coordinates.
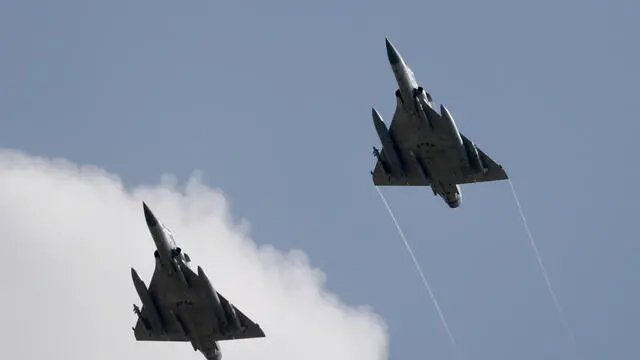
(177, 252)
(169, 233)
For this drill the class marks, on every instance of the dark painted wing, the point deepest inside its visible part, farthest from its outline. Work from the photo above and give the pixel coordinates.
(406, 131)
(411, 134)
(251, 329)
(158, 288)
(494, 172)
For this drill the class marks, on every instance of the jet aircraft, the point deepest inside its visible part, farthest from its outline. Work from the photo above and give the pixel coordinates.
(181, 305)
(424, 148)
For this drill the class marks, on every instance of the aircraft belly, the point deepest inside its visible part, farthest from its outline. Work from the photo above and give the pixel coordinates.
(173, 296)
(168, 294)
(442, 163)
(437, 168)
(443, 154)
(201, 325)
(204, 326)
(192, 305)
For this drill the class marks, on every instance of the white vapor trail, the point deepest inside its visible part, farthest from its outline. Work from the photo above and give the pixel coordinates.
(542, 267)
(418, 267)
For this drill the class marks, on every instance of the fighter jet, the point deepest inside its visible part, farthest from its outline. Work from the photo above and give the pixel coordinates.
(422, 147)
(181, 305)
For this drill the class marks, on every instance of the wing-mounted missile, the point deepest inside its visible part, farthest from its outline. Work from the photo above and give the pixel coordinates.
(145, 323)
(383, 163)
(151, 311)
(234, 325)
(388, 144)
(475, 161)
(212, 296)
(424, 172)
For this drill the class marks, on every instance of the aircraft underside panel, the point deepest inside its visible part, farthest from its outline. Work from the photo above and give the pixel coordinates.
(171, 330)
(442, 156)
(187, 313)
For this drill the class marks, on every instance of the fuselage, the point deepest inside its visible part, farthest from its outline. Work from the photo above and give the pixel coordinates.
(411, 94)
(168, 253)
(414, 98)
(183, 289)
(178, 262)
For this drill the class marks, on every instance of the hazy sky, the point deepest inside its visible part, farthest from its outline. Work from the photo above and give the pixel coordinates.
(271, 103)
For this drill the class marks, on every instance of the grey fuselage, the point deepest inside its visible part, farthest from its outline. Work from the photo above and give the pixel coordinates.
(413, 97)
(179, 285)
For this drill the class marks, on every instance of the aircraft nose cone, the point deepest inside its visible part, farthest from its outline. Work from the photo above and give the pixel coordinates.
(148, 216)
(392, 54)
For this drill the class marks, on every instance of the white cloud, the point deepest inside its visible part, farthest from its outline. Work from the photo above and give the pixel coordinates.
(70, 235)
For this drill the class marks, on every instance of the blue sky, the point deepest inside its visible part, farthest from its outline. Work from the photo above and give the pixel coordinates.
(271, 101)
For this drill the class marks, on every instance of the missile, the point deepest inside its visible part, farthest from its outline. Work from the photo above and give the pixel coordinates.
(212, 295)
(384, 165)
(387, 142)
(145, 323)
(147, 303)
